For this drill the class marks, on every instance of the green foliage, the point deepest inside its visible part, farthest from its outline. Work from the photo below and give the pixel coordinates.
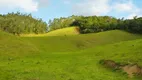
(131, 25)
(18, 23)
(87, 24)
(93, 24)
(62, 22)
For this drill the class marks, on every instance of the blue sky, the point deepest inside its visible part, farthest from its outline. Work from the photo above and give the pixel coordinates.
(49, 9)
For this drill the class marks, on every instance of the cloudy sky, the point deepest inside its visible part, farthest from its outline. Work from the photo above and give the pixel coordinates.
(49, 9)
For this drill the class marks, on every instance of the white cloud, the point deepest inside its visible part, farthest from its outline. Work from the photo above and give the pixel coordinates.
(24, 5)
(127, 7)
(131, 16)
(43, 3)
(123, 7)
(92, 7)
(105, 7)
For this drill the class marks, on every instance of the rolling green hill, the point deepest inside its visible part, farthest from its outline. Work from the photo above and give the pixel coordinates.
(58, 32)
(70, 57)
(82, 41)
(14, 46)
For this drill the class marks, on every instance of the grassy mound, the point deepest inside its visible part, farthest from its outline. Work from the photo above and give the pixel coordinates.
(13, 46)
(58, 32)
(126, 52)
(82, 41)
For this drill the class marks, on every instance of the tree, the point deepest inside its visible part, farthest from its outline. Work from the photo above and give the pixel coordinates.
(18, 23)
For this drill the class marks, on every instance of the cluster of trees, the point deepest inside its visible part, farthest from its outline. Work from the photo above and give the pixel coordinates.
(88, 24)
(18, 23)
(62, 22)
(131, 25)
(91, 24)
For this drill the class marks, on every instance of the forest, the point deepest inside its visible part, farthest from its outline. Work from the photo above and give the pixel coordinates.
(93, 24)
(18, 23)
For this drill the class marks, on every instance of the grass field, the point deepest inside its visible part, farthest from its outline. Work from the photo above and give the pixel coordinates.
(70, 57)
(14, 46)
(58, 32)
(79, 42)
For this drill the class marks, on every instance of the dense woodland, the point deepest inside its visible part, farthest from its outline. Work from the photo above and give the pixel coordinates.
(18, 23)
(91, 24)
(131, 25)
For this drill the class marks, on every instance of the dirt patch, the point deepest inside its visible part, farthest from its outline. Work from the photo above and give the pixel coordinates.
(130, 69)
(77, 29)
(109, 64)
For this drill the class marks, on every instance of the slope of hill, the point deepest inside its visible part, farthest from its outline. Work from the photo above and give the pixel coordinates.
(81, 65)
(58, 32)
(69, 57)
(125, 51)
(14, 46)
(82, 41)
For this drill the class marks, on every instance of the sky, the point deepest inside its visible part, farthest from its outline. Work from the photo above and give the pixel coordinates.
(50, 9)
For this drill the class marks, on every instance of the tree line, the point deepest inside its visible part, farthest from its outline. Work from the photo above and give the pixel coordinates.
(92, 24)
(18, 23)
(132, 25)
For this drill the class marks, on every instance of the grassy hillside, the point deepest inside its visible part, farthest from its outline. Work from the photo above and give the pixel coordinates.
(58, 32)
(82, 41)
(125, 51)
(81, 65)
(72, 57)
(14, 46)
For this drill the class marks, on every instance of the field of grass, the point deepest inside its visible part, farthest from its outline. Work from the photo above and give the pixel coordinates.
(14, 46)
(79, 42)
(58, 32)
(71, 57)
